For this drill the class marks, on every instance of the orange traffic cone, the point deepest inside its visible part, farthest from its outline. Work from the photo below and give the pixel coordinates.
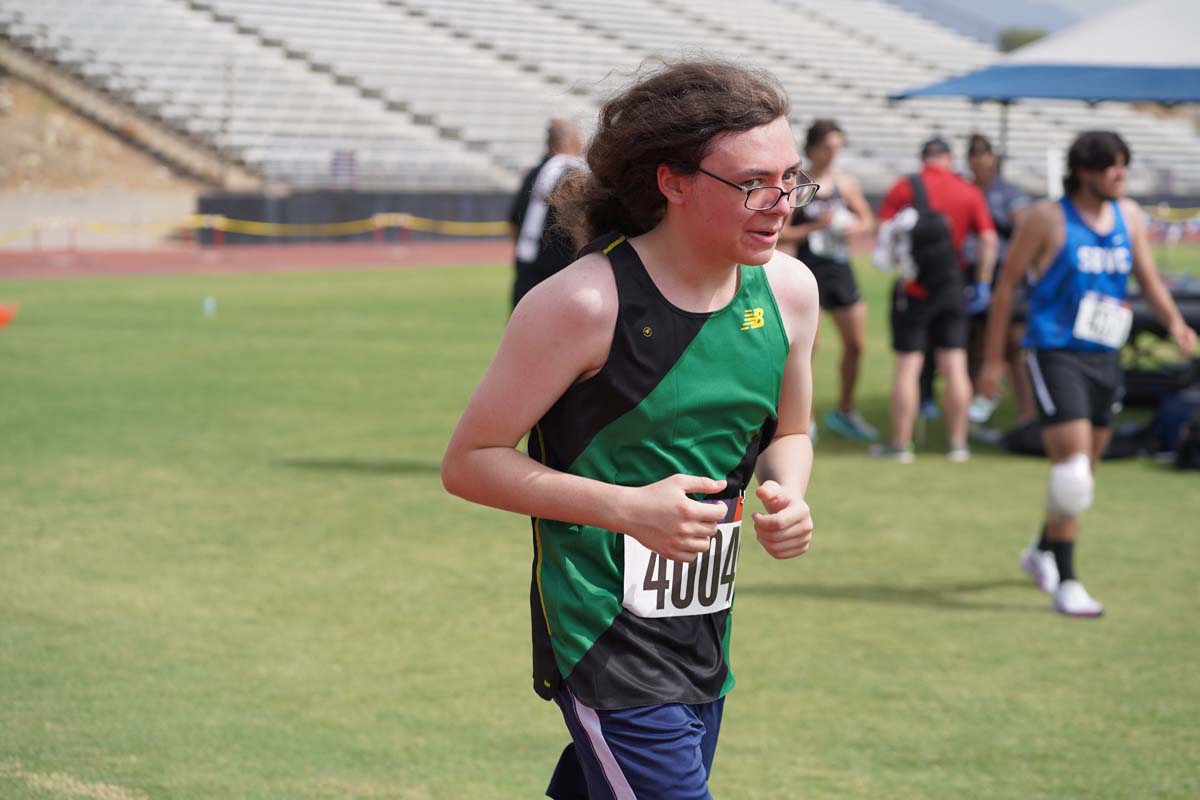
(7, 314)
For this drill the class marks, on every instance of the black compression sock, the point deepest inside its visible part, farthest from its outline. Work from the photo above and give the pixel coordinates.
(1043, 543)
(1064, 555)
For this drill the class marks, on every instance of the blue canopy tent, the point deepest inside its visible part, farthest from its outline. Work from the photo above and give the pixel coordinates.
(1143, 52)
(1007, 82)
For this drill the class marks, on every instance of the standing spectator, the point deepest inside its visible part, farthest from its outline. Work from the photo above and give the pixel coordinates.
(1082, 249)
(1007, 204)
(542, 247)
(926, 316)
(657, 372)
(821, 231)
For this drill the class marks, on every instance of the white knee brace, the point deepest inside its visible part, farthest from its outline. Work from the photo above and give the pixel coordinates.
(1071, 486)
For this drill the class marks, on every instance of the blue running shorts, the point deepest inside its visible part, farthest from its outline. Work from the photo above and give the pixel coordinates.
(660, 752)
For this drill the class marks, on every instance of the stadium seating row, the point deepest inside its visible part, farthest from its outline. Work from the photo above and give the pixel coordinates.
(453, 94)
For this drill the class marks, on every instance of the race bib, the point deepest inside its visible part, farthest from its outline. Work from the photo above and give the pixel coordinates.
(829, 244)
(1103, 320)
(659, 587)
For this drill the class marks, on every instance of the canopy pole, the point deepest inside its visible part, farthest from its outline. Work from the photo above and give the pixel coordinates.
(1003, 135)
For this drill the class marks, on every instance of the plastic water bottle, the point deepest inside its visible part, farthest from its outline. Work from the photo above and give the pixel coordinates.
(981, 409)
(210, 307)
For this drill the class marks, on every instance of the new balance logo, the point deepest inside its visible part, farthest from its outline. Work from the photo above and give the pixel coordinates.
(753, 318)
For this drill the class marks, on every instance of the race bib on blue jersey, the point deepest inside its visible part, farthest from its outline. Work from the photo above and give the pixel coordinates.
(659, 587)
(1103, 320)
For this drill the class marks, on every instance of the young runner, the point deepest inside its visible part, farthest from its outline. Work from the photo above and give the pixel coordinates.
(1083, 248)
(654, 376)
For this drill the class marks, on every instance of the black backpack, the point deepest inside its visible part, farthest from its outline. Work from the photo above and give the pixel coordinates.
(1187, 447)
(932, 243)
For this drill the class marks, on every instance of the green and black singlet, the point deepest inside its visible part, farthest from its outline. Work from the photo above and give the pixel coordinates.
(680, 392)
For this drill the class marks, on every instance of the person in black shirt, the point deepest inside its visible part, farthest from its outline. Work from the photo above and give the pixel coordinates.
(542, 248)
(1007, 203)
(821, 232)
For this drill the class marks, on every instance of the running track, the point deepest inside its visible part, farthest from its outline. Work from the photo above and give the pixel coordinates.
(251, 258)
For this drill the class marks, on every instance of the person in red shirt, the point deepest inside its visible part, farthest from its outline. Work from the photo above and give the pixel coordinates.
(922, 318)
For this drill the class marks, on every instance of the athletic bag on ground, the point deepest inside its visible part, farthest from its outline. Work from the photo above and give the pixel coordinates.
(1187, 456)
(1177, 423)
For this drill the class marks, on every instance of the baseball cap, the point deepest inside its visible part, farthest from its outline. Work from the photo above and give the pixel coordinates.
(935, 147)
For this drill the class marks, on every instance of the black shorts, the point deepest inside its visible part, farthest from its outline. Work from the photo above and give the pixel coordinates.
(1071, 385)
(835, 283)
(939, 320)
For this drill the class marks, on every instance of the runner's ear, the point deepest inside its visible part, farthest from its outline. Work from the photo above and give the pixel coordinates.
(675, 186)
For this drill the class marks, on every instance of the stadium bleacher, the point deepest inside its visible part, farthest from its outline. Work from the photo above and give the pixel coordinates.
(453, 94)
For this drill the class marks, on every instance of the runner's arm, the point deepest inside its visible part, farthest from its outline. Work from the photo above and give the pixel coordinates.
(784, 468)
(857, 202)
(1151, 283)
(788, 459)
(1027, 244)
(989, 242)
(561, 331)
(989, 245)
(795, 232)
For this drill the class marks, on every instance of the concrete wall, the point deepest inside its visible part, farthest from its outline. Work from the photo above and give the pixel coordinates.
(50, 219)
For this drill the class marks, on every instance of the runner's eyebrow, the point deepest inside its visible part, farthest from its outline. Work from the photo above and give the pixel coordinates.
(765, 173)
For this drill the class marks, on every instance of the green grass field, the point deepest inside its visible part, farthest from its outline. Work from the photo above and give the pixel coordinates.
(228, 570)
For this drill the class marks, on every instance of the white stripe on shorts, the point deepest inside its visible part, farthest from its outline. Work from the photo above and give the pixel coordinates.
(1039, 384)
(608, 763)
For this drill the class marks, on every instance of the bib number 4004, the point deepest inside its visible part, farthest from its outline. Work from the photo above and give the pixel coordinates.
(659, 587)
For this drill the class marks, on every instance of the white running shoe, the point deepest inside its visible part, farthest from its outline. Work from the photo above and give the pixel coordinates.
(901, 455)
(958, 455)
(981, 408)
(1041, 566)
(1073, 600)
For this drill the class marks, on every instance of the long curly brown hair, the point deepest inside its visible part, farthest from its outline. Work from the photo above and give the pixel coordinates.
(670, 116)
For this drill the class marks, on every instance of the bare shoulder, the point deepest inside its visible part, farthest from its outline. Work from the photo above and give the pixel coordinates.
(569, 317)
(581, 295)
(1043, 215)
(792, 283)
(847, 184)
(843, 180)
(1131, 211)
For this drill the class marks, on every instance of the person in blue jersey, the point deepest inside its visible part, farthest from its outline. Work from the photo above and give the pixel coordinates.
(1082, 249)
(656, 376)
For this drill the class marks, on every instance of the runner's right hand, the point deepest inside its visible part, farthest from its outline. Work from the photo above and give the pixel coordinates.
(988, 383)
(667, 521)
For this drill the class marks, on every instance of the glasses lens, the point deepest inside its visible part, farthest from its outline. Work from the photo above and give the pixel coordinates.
(803, 194)
(763, 197)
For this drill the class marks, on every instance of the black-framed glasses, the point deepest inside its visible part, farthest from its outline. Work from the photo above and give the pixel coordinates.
(763, 198)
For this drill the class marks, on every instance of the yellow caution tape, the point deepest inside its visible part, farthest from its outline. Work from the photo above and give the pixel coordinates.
(19, 233)
(456, 228)
(219, 222)
(376, 222)
(1168, 214)
(125, 227)
(291, 229)
(351, 227)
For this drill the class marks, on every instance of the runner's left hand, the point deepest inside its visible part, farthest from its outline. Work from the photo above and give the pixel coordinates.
(977, 296)
(785, 530)
(1185, 337)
